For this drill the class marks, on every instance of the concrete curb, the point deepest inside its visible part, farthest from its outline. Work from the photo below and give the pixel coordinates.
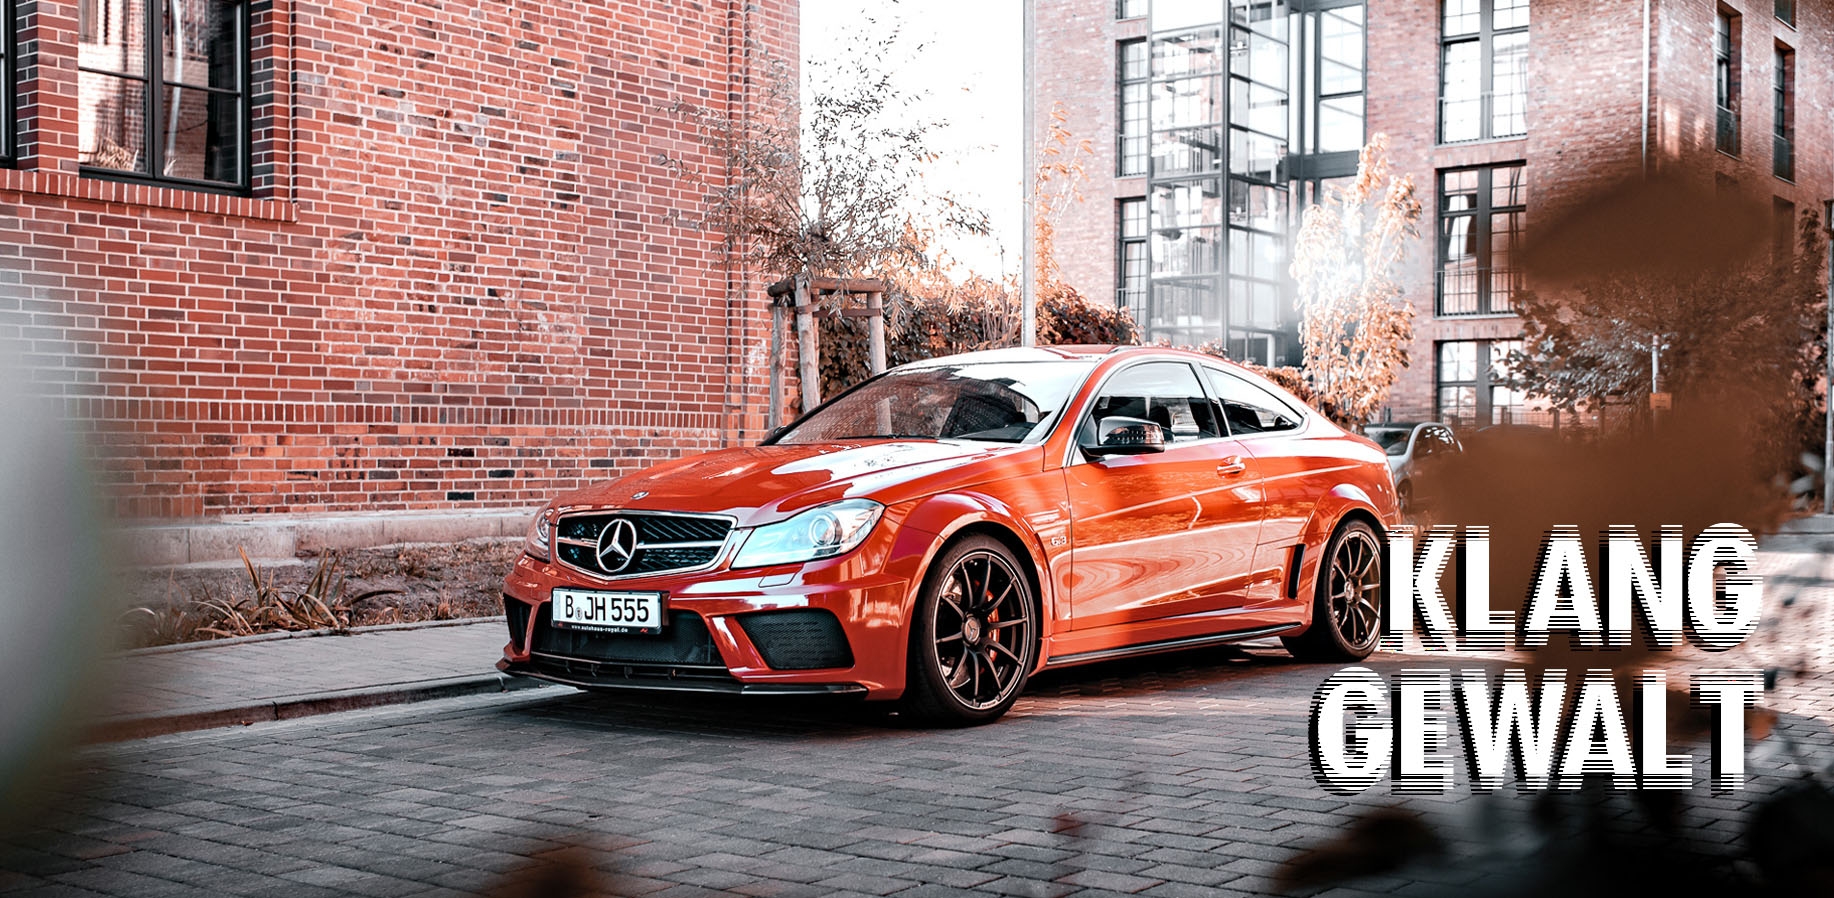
(302, 634)
(120, 728)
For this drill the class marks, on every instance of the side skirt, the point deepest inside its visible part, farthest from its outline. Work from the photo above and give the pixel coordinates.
(1168, 645)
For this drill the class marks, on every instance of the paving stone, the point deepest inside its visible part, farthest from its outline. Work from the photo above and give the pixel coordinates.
(1174, 777)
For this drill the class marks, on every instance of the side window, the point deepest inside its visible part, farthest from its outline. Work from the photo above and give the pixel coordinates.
(1165, 393)
(1247, 408)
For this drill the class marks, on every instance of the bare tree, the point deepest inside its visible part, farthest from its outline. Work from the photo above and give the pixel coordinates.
(827, 182)
(1353, 323)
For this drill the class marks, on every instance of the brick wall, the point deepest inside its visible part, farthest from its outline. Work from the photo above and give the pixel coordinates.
(1584, 122)
(1076, 60)
(467, 275)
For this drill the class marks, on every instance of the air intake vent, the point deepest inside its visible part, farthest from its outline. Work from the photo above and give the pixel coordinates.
(804, 639)
(517, 613)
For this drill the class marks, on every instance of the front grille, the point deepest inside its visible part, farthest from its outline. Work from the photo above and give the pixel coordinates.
(517, 613)
(809, 639)
(664, 542)
(684, 641)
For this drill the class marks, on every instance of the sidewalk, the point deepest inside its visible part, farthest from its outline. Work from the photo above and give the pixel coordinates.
(234, 682)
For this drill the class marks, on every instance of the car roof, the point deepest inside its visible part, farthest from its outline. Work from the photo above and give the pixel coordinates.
(1073, 352)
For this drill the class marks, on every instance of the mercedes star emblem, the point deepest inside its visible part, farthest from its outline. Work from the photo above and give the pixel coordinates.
(617, 545)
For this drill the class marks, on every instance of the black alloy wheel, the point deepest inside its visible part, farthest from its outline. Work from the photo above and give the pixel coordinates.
(974, 636)
(1347, 603)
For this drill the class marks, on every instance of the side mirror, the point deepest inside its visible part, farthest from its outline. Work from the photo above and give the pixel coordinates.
(1126, 436)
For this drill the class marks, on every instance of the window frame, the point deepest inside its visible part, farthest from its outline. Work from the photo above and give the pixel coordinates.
(1301, 421)
(1783, 114)
(154, 113)
(1123, 240)
(1727, 87)
(1485, 38)
(1483, 386)
(1085, 415)
(1143, 136)
(1785, 11)
(1482, 215)
(9, 84)
(1121, 7)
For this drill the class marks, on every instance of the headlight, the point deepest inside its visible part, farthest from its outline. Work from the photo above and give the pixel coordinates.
(541, 533)
(820, 532)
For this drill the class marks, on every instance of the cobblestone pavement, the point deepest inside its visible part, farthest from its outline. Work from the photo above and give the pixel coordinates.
(1185, 775)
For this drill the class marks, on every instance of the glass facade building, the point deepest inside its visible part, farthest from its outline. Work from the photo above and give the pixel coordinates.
(1252, 105)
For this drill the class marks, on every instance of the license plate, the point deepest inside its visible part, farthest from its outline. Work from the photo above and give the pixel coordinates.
(609, 612)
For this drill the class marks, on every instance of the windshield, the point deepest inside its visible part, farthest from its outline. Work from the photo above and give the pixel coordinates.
(1393, 440)
(1001, 402)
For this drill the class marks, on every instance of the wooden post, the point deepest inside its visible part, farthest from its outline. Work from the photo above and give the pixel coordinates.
(810, 359)
(774, 419)
(875, 330)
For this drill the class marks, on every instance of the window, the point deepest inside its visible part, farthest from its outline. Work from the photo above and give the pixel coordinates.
(9, 87)
(1129, 9)
(1247, 408)
(1335, 87)
(1135, 264)
(1483, 88)
(1134, 72)
(163, 90)
(1726, 82)
(1165, 393)
(1480, 226)
(1472, 380)
(1783, 122)
(1786, 11)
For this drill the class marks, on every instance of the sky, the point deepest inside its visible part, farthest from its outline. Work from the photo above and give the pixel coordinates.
(964, 58)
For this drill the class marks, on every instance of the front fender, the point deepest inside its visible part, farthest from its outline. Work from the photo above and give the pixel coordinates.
(935, 520)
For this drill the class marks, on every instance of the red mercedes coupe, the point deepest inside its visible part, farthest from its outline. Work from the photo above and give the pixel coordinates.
(940, 532)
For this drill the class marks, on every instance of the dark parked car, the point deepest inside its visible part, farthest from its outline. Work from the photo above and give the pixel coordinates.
(1414, 449)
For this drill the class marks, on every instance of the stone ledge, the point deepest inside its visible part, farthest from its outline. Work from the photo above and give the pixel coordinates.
(276, 537)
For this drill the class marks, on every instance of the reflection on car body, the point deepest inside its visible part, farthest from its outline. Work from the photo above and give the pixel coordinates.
(944, 530)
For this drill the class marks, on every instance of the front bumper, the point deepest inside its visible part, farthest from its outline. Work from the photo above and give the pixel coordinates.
(846, 631)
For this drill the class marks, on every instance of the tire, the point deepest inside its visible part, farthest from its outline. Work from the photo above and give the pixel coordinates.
(969, 657)
(1347, 601)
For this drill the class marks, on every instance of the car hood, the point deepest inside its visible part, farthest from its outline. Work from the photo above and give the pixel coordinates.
(766, 483)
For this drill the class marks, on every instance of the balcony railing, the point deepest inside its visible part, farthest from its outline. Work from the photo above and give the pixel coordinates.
(1477, 291)
(1483, 116)
(1783, 158)
(1725, 136)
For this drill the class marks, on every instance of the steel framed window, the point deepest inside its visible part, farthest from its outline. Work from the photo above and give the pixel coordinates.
(1129, 9)
(164, 91)
(1471, 380)
(9, 83)
(1783, 120)
(1480, 226)
(1786, 12)
(1726, 82)
(1483, 70)
(1134, 70)
(1134, 264)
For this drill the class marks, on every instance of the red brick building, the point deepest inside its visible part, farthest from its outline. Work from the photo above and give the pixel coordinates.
(312, 256)
(1218, 122)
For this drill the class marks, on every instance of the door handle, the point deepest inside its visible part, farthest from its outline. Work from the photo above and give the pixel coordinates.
(1231, 466)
